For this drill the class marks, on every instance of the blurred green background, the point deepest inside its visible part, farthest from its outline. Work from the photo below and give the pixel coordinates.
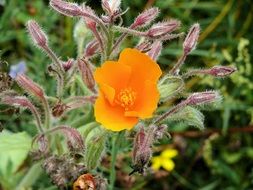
(220, 157)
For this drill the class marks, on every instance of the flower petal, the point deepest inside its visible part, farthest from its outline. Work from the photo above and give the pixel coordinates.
(156, 163)
(113, 74)
(146, 101)
(168, 165)
(112, 117)
(143, 67)
(169, 153)
(108, 91)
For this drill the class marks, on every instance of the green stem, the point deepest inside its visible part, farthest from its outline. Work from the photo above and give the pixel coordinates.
(110, 42)
(30, 178)
(47, 112)
(115, 147)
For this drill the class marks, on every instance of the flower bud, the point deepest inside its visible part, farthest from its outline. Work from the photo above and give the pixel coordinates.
(68, 64)
(66, 8)
(141, 150)
(36, 33)
(73, 137)
(87, 74)
(159, 131)
(29, 86)
(59, 109)
(144, 46)
(111, 6)
(155, 50)
(221, 71)
(163, 28)
(91, 48)
(145, 18)
(191, 39)
(20, 101)
(199, 98)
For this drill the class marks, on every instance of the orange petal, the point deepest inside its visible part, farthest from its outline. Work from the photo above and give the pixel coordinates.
(113, 74)
(143, 67)
(146, 101)
(112, 117)
(108, 91)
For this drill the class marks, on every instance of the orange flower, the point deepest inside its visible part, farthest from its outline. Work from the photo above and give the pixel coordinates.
(128, 90)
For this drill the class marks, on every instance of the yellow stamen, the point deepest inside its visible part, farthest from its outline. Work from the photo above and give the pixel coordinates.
(126, 98)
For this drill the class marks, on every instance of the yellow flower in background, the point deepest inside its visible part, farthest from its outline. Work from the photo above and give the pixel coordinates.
(164, 160)
(127, 90)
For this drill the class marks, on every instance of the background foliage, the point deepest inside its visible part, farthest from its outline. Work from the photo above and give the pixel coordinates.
(220, 157)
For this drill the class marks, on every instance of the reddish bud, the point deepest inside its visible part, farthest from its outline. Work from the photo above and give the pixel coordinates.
(29, 86)
(66, 8)
(36, 33)
(221, 71)
(87, 74)
(191, 39)
(163, 28)
(141, 150)
(59, 109)
(91, 48)
(111, 6)
(68, 64)
(155, 50)
(91, 24)
(203, 98)
(20, 101)
(74, 138)
(144, 46)
(145, 18)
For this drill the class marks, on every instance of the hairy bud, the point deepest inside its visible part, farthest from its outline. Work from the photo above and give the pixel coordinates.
(141, 150)
(91, 48)
(21, 101)
(163, 28)
(111, 6)
(221, 71)
(29, 86)
(145, 18)
(68, 64)
(191, 39)
(66, 8)
(36, 33)
(155, 50)
(87, 74)
(199, 98)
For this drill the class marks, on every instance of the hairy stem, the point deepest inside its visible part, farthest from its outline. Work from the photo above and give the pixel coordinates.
(175, 70)
(115, 147)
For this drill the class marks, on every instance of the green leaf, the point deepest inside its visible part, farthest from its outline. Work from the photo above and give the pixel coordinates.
(14, 148)
(170, 86)
(190, 116)
(95, 149)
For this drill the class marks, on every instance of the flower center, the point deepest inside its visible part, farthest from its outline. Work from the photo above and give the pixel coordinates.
(126, 98)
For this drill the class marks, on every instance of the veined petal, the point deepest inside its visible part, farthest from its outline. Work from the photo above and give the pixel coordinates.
(114, 74)
(108, 91)
(143, 67)
(112, 117)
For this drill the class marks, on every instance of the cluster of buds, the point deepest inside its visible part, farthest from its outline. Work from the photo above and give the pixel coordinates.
(62, 169)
